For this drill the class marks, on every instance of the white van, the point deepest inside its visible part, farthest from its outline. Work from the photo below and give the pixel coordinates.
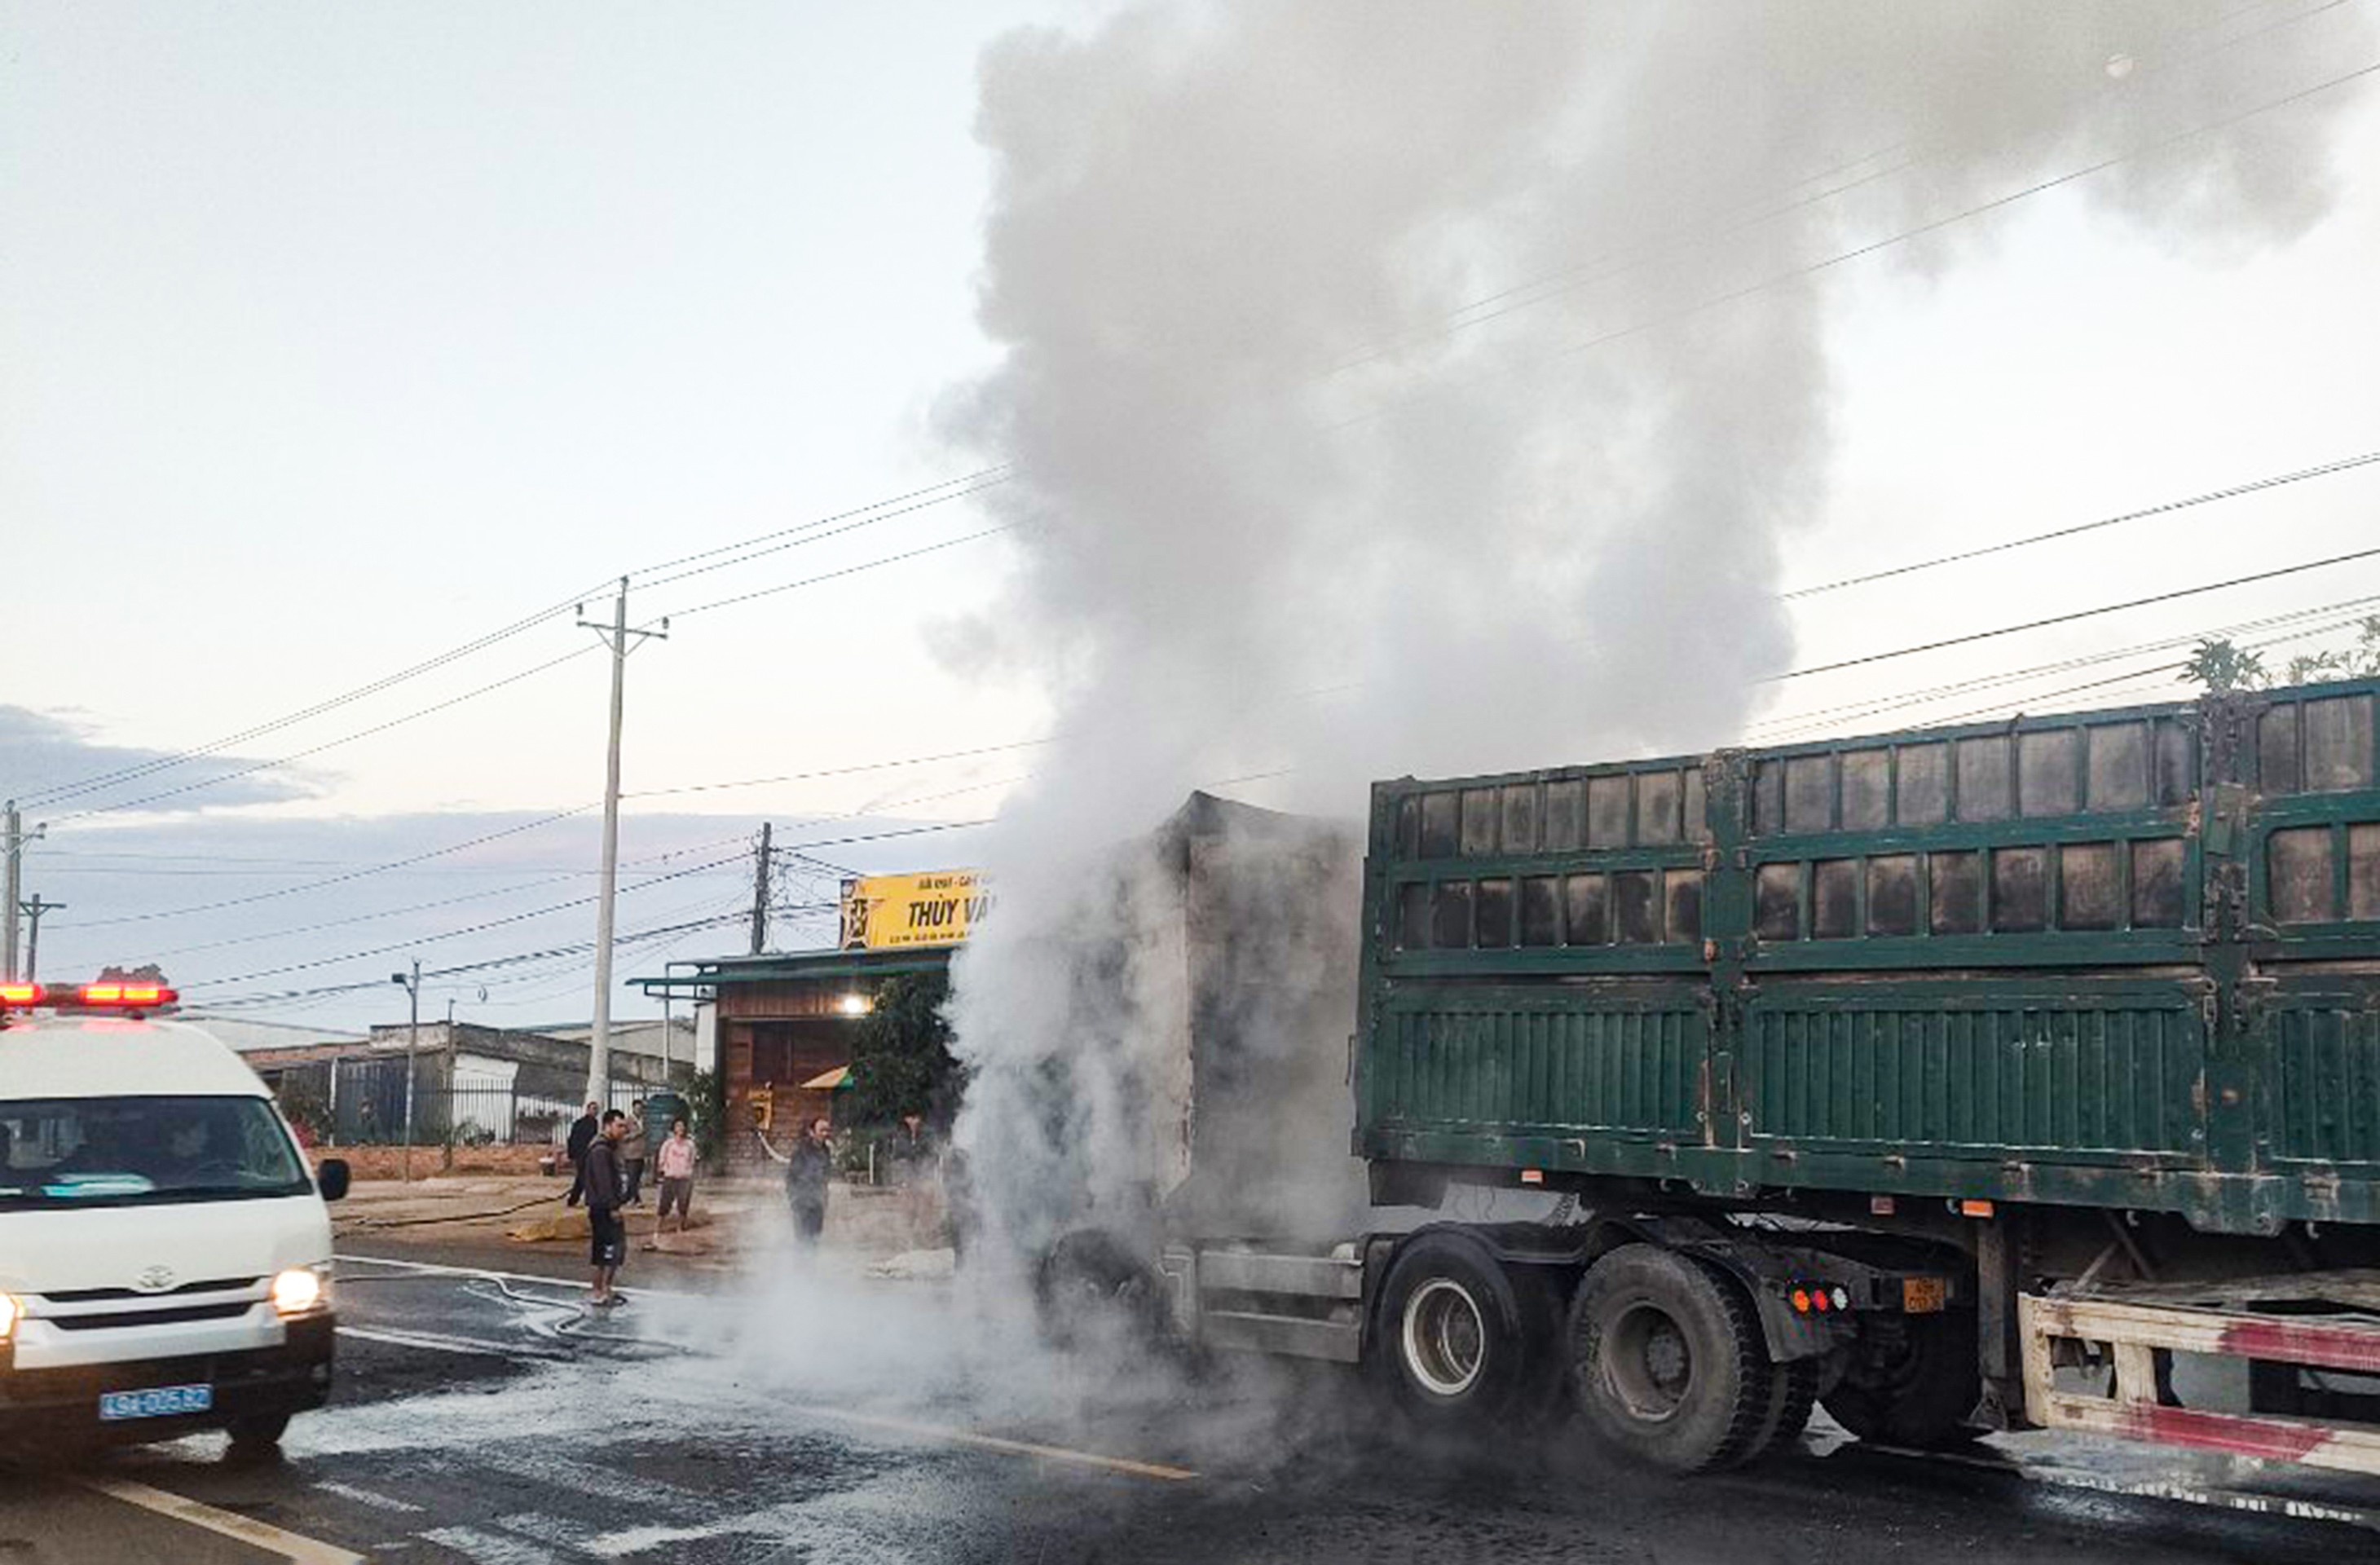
(164, 1253)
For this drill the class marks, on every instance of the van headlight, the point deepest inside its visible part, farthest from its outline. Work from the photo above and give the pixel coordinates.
(298, 1290)
(9, 1311)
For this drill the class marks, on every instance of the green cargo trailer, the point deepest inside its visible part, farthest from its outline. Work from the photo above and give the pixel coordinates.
(1961, 1077)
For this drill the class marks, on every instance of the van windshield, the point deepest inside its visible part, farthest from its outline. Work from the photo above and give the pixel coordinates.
(142, 1151)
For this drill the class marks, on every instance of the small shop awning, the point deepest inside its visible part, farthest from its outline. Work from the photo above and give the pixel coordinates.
(829, 1080)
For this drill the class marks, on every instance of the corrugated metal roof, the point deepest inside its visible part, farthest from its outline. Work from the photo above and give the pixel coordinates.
(798, 966)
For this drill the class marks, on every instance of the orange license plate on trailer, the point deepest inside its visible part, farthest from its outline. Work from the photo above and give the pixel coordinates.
(1924, 1295)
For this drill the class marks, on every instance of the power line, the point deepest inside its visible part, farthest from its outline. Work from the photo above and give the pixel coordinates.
(179, 757)
(339, 879)
(1542, 289)
(250, 770)
(450, 934)
(846, 571)
(2068, 618)
(811, 536)
(969, 754)
(408, 909)
(1811, 269)
(741, 914)
(514, 679)
(2167, 507)
(1826, 717)
(747, 550)
(579, 902)
(996, 470)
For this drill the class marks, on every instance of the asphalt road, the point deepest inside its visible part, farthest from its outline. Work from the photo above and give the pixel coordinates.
(833, 1417)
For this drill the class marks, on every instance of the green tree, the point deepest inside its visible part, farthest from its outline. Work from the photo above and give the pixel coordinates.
(707, 1094)
(901, 1060)
(2359, 661)
(2220, 666)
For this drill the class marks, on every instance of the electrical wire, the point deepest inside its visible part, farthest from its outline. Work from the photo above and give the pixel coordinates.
(645, 884)
(1826, 717)
(2253, 486)
(1974, 636)
(179, 757)
(402, 945)
(216, 907)
(1840, 258)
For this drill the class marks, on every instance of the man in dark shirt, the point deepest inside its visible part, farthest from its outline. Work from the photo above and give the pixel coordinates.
(582, 1136)
(807, 1167)
(600, 1181)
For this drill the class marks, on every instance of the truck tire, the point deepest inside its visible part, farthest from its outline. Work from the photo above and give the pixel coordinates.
(1462, 1338)
(1667, 1363)
(1914, 1385)
(1792, 1393)
(1091, 1281)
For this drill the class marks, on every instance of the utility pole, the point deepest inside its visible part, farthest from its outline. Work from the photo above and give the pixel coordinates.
(760, 894)
(412, 1042)
(616, 635)
(447, 1075)
(33, 911)
(13, 838)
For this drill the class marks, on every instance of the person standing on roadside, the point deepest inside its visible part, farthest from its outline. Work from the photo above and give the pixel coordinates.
(633, 1151)
(582, 1136)
(674, 1164)
(915, 1167)
(806, 1169)
(607, 1233)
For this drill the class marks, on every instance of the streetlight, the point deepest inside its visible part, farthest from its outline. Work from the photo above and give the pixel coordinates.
(412, 987)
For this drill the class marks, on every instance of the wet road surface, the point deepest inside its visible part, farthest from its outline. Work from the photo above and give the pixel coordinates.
(489, 1417)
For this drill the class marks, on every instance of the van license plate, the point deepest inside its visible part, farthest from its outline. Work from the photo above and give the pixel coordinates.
(164, 1402)
(1923, 1295)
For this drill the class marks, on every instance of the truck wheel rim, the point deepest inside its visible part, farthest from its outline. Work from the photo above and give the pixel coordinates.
(1646, 1363)
(1445, 1337)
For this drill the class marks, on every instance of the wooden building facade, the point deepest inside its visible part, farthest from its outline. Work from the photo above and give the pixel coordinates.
(784, 1020)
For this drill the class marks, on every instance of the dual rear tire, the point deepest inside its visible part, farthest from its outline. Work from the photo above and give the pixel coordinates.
(1660, 1352)
(1667, 1361)
(1467, 1337)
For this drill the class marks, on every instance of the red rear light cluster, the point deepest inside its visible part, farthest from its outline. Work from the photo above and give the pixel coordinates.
(1819, 1298)
(21, 996)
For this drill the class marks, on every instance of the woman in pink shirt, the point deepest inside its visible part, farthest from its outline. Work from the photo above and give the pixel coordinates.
(675, 1165)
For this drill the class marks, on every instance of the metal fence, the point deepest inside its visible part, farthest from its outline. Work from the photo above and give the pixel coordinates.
(365, 1105)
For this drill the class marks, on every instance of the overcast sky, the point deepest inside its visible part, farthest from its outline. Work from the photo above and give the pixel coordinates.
(333, 338)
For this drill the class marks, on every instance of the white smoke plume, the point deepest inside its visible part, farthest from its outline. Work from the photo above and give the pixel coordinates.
(1416, 388)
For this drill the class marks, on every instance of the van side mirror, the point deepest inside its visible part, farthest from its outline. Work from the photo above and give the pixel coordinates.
(332, 1178)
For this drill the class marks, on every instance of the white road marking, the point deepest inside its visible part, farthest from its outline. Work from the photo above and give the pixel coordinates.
(247, 1529)
(489, 1549)
(544, 1468)
(439, 1341)
(993, 1442)
(366, 1497)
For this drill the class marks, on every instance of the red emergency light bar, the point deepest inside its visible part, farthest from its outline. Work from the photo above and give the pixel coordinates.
(130, 996)
(86, 997)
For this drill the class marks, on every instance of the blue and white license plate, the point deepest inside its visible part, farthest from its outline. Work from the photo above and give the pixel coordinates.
(161, 1401)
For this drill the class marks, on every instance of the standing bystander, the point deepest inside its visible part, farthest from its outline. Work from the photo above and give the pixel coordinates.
(582, 1136)
(600, 1185)
(674, 1164)
(633, 1149)
(806, 1168)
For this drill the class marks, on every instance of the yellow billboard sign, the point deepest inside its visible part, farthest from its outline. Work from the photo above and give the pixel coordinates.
(885, 912)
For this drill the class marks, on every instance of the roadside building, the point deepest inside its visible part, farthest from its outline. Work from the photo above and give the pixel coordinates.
(783, 1022)
(478, 1083)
